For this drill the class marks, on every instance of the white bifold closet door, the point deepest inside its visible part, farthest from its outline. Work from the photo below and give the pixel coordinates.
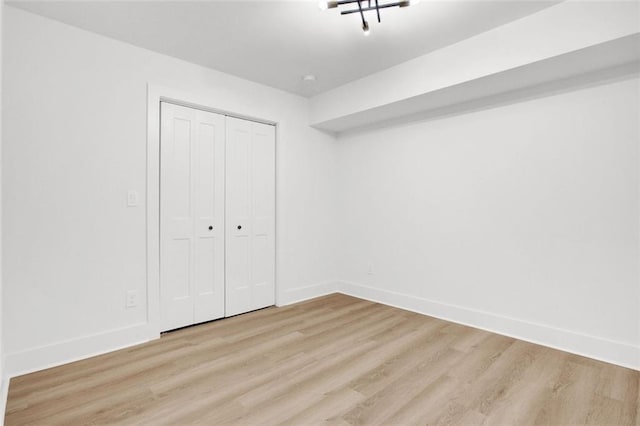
(250, 216)
(192, 163)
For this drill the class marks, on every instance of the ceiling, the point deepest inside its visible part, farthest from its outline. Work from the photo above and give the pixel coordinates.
(277, 42)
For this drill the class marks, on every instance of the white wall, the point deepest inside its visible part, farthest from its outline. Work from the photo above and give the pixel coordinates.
(75, 142)
(522, 219)
(4, 385)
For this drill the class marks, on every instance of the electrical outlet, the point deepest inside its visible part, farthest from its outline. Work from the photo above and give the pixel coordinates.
(370, 268)
(132, 299)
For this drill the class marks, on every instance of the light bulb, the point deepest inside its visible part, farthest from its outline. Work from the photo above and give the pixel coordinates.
(365, 28)
(323, 5)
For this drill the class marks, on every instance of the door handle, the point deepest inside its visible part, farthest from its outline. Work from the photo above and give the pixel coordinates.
(210, 228)
(239, 226)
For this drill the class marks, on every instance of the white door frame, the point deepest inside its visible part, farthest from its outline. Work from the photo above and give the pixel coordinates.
(155, 95)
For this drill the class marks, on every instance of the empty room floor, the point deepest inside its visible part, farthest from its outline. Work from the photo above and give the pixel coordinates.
(335, 359)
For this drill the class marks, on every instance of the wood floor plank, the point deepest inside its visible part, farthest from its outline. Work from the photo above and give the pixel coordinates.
(420, 373)
(521, 401)
(334, 360)
(329, 375)
(420, 408)
(572, 395)
(333, 403)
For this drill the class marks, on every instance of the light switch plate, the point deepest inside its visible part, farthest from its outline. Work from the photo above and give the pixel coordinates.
(132, 198)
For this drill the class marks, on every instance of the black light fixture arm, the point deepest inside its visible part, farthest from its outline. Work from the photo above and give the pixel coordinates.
(377, 5)
(365, 24)
(361, 13)
(377, 8)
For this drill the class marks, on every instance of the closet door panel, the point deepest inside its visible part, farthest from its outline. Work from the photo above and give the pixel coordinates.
(263, 214)
(250, 192)
(191, 202)
(176, 218)
(209, 215)
(238, 207)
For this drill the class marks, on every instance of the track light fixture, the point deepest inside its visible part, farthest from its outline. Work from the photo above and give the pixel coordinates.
(364, 6)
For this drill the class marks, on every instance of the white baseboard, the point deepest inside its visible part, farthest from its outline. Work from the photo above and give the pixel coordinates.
(618, 353)
(4, 389)
(40, 358)
(47, 356)
(300, 294)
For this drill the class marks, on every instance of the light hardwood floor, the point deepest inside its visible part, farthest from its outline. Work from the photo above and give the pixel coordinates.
(337, 359)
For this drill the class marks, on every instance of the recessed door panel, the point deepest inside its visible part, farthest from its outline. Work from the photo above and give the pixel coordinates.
(238, 275)
(178, 273)
(178, 168)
